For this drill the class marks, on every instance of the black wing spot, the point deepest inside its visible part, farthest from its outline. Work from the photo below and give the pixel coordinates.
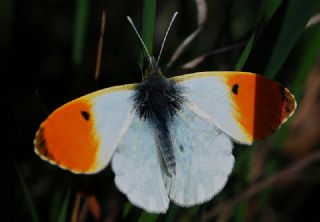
(85, 115)
(181, 148)
(235, 89)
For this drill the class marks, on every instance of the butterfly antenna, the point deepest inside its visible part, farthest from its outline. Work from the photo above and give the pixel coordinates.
(141, 41)
(165, 37)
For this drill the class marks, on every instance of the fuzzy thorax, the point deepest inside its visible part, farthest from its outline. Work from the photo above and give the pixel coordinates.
(158, 99)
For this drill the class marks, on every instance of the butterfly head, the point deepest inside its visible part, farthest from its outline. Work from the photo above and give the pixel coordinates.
(151, 68)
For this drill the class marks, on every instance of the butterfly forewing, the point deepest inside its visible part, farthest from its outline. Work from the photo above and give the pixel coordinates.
(82, 135)
(245, 106)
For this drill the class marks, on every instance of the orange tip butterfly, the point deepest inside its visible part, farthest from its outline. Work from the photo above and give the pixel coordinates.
(166, 138)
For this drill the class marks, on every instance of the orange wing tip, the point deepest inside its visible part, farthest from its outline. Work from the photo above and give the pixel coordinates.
(41, 150)
(261, 105)
(70, 137)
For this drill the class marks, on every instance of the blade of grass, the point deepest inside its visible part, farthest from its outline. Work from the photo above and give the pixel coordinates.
(241, 212)
(30, 204)
(79, 32)
(148, 217)
(264, 41)
(308, 57)
(279, 37)
(270, 6)
(148, 21)
(133, 215)
(309, 54)
(245, 53)
(127, 207)
(172, 212)
(55, 202)
(296, 17)
(64, 209)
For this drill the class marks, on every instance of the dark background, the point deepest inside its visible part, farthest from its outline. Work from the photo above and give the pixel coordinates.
(48, 57)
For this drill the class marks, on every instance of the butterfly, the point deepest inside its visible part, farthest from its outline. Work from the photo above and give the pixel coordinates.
(165, 138)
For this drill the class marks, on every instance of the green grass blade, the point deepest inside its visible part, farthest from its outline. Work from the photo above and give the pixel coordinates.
(30, 204)
(245, 53)
(79, 32)
(64, 209)
(148, 21)
(270, 6)
(240, 212)
(264, 41)
(127, 207)
(57, 197)
(279, 37)
(148, 217)
(171, 213)
(296, 17)
(309, 55)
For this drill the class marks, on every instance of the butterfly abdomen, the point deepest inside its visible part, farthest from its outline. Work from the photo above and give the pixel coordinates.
(157, 100)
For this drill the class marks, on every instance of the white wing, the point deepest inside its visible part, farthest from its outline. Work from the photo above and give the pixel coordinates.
(210, 95)
(113, 116)
(137, 169)
(204, 160)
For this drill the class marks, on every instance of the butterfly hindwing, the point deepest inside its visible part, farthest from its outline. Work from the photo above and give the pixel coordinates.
(244, 105)
(204, 159)
(137, 168)
(82, 135)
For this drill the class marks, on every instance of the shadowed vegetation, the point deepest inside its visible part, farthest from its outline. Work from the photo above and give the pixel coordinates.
(50, 52)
